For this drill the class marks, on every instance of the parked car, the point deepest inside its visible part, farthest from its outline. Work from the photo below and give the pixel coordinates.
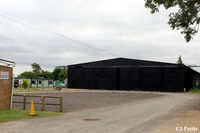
(60, 86)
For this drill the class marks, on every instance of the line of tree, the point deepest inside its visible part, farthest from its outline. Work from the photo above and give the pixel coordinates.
(38, 72)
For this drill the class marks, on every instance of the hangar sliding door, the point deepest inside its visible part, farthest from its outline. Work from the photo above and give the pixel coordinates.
(92, 78)
(173, 79)
(151, 79)
(137, 78)
(129, 78)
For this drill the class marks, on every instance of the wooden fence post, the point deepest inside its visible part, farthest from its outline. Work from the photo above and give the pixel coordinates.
(24, 102)
(61, 104)
(24, 107)
(43, 103)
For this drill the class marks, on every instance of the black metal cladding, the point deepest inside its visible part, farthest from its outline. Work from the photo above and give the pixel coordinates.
(130, 74)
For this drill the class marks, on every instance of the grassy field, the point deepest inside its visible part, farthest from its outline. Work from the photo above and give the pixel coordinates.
(194, 90)
(10, 115)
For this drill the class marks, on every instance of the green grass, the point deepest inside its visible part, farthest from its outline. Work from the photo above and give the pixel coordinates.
(35, 90)
(195, 90)
(10, 115)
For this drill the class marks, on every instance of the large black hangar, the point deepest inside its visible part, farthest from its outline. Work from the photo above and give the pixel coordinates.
(132, 74)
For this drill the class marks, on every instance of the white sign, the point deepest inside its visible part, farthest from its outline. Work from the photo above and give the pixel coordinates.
(20, 81)
(4, 75)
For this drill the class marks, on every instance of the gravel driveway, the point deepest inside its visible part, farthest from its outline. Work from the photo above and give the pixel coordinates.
(139, 116)
(76, 101)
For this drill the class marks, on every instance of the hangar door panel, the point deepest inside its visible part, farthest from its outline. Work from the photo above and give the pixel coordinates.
(151, 79)
(129, 78)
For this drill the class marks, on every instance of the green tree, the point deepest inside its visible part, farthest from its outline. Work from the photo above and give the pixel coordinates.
(28, 75)
(37, 73)
(36, 68)
(179, 60)
(56, 71)
(47, 74)
(25, 83)
(62, 75)
(185, 18)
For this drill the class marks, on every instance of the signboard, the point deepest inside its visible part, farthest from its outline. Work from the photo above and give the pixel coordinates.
(21, 81)
(4, 75)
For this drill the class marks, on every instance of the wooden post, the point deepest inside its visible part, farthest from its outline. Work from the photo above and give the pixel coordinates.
(24, 108)
(43, 103)
(24, 102)
(61, 106)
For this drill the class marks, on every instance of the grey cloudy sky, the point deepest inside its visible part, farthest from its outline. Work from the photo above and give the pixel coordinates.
(110, 28)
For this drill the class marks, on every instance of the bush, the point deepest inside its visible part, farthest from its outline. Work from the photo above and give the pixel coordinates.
(25, 83)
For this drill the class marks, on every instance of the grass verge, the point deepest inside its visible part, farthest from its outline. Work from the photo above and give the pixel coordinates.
(195, 90)
(10, 115)
(35, 90)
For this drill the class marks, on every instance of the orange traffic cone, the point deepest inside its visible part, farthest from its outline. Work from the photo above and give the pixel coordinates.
(32, 111)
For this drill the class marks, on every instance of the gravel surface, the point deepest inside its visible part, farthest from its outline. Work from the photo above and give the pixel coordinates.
(182, 118)
(133, 117)
(76, 101)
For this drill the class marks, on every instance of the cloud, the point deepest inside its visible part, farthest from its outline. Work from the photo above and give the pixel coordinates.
(106, 28)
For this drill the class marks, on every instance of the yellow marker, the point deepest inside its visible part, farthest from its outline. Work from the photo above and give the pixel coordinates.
(32, 111)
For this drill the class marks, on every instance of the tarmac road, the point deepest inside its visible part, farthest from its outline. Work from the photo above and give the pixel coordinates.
(136, 117)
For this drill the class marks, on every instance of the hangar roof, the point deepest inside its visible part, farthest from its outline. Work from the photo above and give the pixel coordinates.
(125, 62)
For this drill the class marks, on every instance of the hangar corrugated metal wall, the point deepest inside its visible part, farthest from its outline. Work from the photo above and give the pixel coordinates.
(130, 74)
